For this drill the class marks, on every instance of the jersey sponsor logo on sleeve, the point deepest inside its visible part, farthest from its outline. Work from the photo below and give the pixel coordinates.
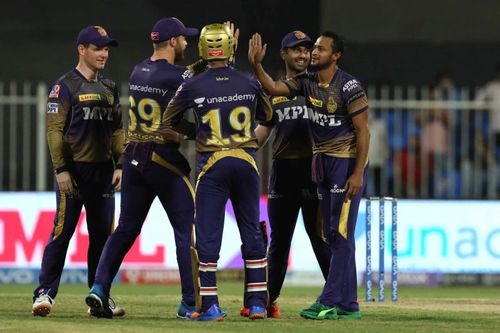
(52, 108)
(279, 99)
(89, 97)
(187, 74)
(350, 85)
(54, 93)
(316, 102)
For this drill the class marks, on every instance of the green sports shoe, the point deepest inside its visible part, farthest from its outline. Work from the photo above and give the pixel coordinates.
(319, 311)
(344, 314)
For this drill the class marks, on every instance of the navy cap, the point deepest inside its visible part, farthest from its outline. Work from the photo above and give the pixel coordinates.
(295, 38)
(169, 27)
(96, 35)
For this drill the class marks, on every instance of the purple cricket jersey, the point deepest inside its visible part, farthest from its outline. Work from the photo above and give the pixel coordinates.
(330, 109)
(290, 120)
(152, 85)
(223, 100)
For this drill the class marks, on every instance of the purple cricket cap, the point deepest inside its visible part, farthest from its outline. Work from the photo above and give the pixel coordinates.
(169, 27)
(96, 35)
(295, 38)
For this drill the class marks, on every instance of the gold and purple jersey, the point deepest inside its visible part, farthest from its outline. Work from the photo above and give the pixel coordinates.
(152, 85)
(84, 122)
(226, 103)
(292, 134)
(330, 110)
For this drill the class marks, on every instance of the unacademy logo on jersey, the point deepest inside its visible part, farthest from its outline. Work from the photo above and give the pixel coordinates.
(231, 98)
(148, 89)
(199, 101)
(337, 189)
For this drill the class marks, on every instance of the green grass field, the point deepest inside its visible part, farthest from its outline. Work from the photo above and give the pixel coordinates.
(153, 308)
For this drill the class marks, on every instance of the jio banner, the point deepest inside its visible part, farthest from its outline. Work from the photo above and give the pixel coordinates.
(433, 236)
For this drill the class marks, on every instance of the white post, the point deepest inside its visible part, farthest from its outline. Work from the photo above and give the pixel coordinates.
(27, 157)
(13, 152)
(41, 142)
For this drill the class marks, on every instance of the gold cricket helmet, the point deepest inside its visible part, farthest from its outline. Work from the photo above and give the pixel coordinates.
(216, 42)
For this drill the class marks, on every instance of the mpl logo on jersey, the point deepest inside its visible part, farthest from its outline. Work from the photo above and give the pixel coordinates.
(292, 112)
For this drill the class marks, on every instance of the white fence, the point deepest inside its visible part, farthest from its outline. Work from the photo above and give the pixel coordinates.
(425, 143)
(23, 151)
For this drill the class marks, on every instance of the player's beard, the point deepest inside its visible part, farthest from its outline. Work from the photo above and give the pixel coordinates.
(179, 53)
(318, 67)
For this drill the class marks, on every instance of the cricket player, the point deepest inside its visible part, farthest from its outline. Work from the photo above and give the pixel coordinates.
(153, 166)
(337, 107)
(85, 138)
(291, 188)
(226, 103)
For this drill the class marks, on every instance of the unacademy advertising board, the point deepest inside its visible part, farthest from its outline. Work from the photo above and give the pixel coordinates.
(436, 236)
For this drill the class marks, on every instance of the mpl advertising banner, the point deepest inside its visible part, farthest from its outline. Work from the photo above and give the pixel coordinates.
(26, 220)
(433, 236)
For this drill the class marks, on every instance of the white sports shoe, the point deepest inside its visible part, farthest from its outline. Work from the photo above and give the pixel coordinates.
(42, 305)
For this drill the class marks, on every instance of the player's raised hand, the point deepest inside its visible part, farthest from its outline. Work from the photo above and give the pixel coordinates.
(256, 51)
(235, 32)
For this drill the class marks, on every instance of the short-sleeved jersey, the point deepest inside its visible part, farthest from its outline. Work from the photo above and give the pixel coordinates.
(331, 108)
(84, 121)
(226, 103)
(152, 85)
(292, 134)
